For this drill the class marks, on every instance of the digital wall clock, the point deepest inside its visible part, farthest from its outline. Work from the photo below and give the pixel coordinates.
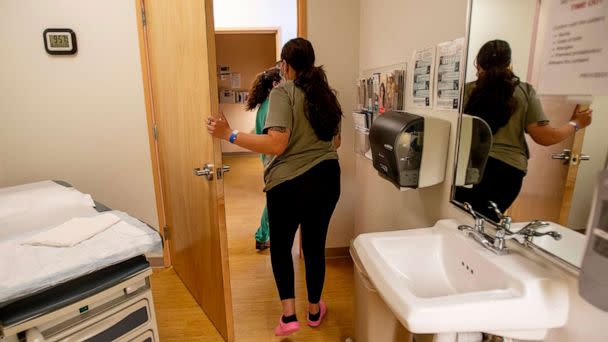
(60, 41)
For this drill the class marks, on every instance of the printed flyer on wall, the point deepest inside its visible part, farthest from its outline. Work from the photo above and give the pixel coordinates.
(448, 75)
(574, 48)
(422, 79)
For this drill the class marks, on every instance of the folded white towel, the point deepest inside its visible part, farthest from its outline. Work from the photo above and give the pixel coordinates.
(73, 231)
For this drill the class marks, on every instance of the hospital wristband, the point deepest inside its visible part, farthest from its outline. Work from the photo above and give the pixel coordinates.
(232, 138)
(575, 125)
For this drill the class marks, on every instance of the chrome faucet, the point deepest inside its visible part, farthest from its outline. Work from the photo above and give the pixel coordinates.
(497, 243)
(478, 231)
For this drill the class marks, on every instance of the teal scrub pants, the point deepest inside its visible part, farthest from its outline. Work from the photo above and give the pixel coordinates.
(263, 233)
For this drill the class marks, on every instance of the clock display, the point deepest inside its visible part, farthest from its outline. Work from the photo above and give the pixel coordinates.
(59, 40)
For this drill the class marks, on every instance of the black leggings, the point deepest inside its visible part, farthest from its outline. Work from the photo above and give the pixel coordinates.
(309, 201)
(501, 184)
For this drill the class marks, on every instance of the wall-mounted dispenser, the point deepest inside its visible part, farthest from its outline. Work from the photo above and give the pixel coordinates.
(593, 279)
(410, 150)
(473, 150)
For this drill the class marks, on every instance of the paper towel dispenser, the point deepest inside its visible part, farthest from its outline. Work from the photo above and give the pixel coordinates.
(409, 150)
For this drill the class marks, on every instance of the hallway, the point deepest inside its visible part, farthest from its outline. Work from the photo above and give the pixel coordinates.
(255, 299)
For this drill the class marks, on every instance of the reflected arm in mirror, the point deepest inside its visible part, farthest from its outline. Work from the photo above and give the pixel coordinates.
(544, 134)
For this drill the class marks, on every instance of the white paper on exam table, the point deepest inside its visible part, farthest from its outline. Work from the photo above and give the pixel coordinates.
(73, 231)
(27, 269)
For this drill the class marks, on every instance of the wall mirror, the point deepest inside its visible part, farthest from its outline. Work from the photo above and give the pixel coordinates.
(559, 179)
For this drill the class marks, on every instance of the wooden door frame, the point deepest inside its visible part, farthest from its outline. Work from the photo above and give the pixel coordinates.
(302, 29)
(151, 122)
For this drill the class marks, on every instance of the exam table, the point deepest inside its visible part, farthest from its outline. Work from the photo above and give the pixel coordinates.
(98, 290)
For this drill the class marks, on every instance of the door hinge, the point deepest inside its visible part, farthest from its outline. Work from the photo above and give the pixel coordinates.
(143, 15)
(155, 132)
(166, 233)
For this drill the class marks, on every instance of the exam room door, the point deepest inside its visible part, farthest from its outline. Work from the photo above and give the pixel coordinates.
(180, 49)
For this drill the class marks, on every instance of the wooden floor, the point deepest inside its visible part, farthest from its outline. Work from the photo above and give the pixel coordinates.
(255, 300)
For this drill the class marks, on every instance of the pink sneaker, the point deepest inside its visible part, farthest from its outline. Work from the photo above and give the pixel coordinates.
(286, 329)
(323, 311)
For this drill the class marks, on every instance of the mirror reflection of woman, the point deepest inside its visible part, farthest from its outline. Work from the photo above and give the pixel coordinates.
(511, 108)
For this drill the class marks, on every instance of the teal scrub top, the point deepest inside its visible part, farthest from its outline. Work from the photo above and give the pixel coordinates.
(260, 118)
(260, 121)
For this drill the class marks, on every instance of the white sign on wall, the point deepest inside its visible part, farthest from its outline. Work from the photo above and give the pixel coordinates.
(448, 75)
(574, 46)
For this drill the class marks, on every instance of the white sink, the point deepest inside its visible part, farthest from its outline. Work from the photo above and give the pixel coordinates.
(436, 280)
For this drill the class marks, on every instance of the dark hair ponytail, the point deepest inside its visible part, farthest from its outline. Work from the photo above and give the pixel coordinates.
(492, 98)
(261, 87)
(321, 104)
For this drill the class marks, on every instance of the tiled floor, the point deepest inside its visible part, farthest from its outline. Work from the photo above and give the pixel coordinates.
(255, 300)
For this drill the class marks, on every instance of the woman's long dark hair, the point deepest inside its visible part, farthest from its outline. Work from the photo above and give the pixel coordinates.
(261, 87)
(321, 104)
(492, 98)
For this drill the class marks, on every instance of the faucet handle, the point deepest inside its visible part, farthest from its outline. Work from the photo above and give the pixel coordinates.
(494, 206)
(468, 207)
(479, 222)
(505, 220)
(535, 225)
(555, 235)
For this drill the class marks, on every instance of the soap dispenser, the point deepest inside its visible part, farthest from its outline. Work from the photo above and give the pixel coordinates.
(593, 278)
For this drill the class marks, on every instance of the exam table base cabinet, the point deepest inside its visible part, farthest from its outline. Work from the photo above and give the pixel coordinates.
(124, 312)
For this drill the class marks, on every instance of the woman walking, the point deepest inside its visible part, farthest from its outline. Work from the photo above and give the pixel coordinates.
(302, 176)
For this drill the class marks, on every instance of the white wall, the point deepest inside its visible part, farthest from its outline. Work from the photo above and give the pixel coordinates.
(333, 28)
(408, 25)
(80, 119)
(405, 28)
(258, 13)
(512, 21)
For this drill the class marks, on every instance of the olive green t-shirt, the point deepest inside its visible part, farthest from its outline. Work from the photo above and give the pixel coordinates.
(509, 143)
(304, 149)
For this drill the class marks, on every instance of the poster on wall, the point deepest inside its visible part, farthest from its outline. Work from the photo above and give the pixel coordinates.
(235, 80)
(422, 79)
(574, 47)
(448, 77)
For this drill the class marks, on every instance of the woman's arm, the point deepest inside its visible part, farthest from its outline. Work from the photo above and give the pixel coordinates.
(546, 135)
(273, 142)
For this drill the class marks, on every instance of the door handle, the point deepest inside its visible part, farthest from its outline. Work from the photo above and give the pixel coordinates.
(222, 170)
(206, 171)
(578, 158)
(565, 155)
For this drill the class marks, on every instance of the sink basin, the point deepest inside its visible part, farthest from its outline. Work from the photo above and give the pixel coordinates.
(436, 280)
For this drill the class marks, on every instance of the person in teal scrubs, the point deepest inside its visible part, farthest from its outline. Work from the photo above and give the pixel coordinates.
(258, 98)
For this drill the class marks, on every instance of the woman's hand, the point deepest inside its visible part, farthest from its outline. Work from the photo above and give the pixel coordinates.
(582, 117)
(219, 128)
(547, 135)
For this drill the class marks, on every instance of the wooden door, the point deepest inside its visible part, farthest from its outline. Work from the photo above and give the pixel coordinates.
(181, 57)
(549, 185)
